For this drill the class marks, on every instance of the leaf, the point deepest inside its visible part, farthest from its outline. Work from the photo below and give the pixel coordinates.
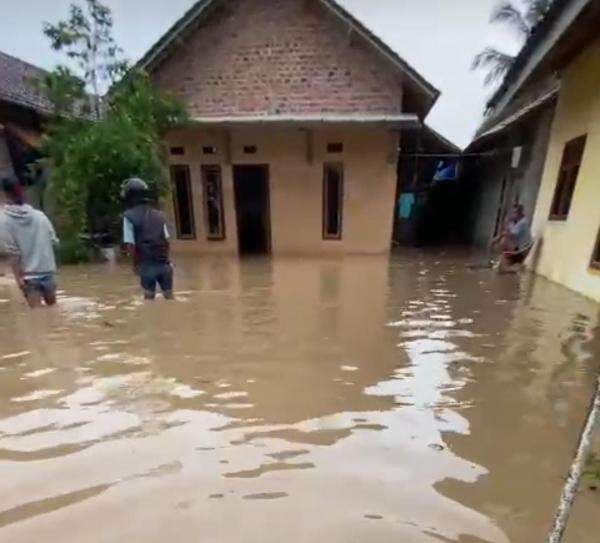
(508, 13)
(495, 62)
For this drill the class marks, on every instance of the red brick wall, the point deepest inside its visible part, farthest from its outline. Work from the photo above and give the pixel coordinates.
(254, 57)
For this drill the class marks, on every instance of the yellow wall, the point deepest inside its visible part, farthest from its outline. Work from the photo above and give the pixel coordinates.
(296, 187)
(567, 246)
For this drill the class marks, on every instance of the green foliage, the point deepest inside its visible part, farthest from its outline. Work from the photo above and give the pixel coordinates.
(92, 155)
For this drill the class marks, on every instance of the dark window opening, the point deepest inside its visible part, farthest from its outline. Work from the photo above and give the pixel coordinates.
(183, 202)
(213, 202)
(596, 254)
(334, 148)
(177, 151)
(333, 200)
(567, 179)
(209, 150)
(250, 149)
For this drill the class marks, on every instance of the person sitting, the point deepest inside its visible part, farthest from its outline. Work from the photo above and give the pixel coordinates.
(515, 241)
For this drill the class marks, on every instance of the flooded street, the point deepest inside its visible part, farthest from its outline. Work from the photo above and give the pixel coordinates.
(352, 400)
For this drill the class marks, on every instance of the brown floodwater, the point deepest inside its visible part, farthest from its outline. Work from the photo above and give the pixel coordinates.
(299, 400)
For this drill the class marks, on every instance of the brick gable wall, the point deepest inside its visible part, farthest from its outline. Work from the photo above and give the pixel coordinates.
(265, 57)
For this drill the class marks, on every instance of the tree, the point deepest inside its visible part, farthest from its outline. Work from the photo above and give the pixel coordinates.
(92, 150)
(86, 38)
(522, 21)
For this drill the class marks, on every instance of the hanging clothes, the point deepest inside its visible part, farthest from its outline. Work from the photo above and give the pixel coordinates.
(405, 205)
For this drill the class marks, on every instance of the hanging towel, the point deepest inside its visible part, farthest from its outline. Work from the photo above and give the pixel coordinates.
(405, 205)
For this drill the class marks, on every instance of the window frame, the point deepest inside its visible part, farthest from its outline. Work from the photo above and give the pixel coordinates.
(595, 260)
(568, 175)
(206, 169)
(173, 170)
(339, 166)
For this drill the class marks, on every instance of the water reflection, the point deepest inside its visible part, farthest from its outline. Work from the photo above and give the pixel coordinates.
(411, 399)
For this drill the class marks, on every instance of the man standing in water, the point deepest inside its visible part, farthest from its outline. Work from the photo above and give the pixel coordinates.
(29, 238)
(146, 237)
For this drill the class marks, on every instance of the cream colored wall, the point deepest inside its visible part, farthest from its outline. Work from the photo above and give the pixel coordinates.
(296, 186)
(567, 246)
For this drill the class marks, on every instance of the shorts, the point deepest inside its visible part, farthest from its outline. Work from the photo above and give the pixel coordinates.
(45, 285)
(153, 274)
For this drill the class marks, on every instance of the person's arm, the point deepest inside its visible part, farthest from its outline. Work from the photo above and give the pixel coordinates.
(53, 236)
(128, 237)
(14, 258)
(52, 232)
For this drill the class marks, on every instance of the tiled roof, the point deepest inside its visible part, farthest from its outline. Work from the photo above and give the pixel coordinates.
(18, 84)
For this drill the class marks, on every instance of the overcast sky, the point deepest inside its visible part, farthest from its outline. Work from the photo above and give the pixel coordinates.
(437, 37)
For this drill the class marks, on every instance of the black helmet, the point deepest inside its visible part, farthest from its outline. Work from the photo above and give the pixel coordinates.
(133, 185)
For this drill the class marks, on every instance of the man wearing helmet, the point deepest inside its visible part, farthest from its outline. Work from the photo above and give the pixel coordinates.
(146, 237)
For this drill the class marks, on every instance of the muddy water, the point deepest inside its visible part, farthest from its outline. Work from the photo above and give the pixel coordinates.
(294, 400)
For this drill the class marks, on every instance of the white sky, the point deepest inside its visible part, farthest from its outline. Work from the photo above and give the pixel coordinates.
(437, 37)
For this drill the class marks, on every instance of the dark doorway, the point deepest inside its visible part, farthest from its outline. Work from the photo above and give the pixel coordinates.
(252, 208)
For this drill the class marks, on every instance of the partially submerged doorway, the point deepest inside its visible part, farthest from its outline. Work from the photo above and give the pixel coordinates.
(251, 183)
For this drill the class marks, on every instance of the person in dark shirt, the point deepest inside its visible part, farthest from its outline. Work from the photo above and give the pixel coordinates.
(146, 237)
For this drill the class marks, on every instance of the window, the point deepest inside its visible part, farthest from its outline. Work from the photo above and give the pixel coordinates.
(177, 151)
(213, 202)
(250, 149)
(183, 202)
(209, 150)
(596, 254)
(333, 200)
(567, 178)
(334, 148)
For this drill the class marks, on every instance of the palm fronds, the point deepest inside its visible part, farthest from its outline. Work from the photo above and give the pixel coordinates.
(495, 62)
(507, 12)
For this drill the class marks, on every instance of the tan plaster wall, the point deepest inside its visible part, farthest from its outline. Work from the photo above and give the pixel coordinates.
(296, 187)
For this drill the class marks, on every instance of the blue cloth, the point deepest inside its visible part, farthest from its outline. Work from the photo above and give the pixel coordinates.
(406, 203)
(447, 170)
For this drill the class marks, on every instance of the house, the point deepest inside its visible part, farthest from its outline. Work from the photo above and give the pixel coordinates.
(297, 116)
(504, 163)
(566, 218)
(23, 110)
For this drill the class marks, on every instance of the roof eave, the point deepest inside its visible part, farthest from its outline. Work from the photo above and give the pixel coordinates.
(445, 142)
(533, 58)
(396, 122)
(167, 40)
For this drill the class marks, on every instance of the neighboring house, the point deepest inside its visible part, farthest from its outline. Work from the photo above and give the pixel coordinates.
(566, 221)
(505, 162)
(297, 112)
(23, 110)
(567, 217)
